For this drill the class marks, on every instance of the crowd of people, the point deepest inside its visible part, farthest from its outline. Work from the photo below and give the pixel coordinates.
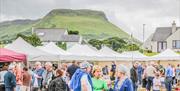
(88, 77)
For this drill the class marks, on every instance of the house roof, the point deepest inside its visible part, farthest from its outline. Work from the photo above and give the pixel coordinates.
(57, 34)
(162, 33)
(70, 38)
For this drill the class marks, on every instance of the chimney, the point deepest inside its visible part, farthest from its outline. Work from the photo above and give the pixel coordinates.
(173, 27)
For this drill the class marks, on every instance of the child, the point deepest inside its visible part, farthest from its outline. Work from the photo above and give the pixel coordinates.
(156, 83)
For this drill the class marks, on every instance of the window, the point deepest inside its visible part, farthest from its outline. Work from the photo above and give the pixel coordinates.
(162, 45)
(176, 44)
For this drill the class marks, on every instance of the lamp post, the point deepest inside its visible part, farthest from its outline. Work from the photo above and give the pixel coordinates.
(143, 36)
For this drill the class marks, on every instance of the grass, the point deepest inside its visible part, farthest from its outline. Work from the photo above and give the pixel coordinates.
(150, 54)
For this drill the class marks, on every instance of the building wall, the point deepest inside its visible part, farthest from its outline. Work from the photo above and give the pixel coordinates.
(174, 36)
(154, 46)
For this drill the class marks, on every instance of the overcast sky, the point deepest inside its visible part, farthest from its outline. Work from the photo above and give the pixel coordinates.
(130, 15)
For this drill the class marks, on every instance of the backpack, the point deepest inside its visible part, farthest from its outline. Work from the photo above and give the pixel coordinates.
(57, 84)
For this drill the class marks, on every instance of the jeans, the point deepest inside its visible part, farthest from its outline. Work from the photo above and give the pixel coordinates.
(149, 83)
(18, 87)
(135, 86)
(168, 83)
(140, 79)
(9, 89)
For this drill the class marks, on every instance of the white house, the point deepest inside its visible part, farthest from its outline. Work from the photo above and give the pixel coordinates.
(164, 38)
(55, 35)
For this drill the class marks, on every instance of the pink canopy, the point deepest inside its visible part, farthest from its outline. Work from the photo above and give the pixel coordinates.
(9, 56)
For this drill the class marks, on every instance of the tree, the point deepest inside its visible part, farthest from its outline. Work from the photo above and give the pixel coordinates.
(73, 32)
(132, 47)
(95, 43)
(32, 39)
(61, 45)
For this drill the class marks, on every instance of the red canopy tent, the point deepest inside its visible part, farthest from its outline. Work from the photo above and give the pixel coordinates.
(11, 56)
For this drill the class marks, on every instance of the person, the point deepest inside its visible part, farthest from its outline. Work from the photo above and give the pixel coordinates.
(72, 69)
(113, 70)
(58, 84)
(123, 83)
(10, 79)
(19, 76)
(98, 83)
(134, 76)
(26, 80)
(105, 70)
(168, 77)
(81, 79)
(144, 76)
(178, 73)
(37, 77)
(150, 72)
(140, 72)
(47, 75)
(2, 73)
(156, 83)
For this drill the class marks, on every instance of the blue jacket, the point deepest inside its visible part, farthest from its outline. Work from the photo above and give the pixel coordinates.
(75, 82)
(38, 72)
(126, 86)
(9, 80)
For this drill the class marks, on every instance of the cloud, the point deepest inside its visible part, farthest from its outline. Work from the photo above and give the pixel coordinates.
(129, 15)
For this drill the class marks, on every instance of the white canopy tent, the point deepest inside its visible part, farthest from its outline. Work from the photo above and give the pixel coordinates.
(135, 56)
(113, 54)
(54, 49)
(168, 54)
(33, 54)
(85, 52)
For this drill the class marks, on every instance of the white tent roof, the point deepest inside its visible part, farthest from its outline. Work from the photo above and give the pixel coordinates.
(111, 53)
(54, 49)
(34, 54)
(86, 52)
(135, 55)
(168, 54)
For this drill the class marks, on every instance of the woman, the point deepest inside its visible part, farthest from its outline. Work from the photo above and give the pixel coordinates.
(58, 84)
(123, 83)
(98, 84)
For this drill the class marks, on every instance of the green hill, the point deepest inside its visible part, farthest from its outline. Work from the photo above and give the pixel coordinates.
(90, 24)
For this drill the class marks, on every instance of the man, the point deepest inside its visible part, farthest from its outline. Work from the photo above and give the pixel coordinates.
(105, 70)
(47, 75)
(37, 77)
(150, 72)
(71, 69)
(140, 72)
(26, 80)
(168, 77)
(134, 76)
(2, 73)
(81, 80)
(123, 83)
(113, 70)
(10, 79)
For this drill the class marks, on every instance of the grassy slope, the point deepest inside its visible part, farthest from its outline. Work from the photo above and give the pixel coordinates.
(88, 27)
(90, 24)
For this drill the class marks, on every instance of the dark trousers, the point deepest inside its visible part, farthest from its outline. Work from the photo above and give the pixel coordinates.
(168, 83)
(149, 83)
(144, 83)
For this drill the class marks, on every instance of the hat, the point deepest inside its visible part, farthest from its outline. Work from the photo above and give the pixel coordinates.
(11, 66)
(122, 68)
(84, 65)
